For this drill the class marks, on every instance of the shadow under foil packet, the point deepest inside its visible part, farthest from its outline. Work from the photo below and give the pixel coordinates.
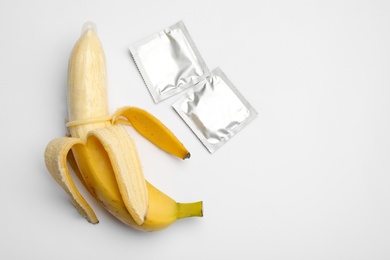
(214, 110)
(169, 62)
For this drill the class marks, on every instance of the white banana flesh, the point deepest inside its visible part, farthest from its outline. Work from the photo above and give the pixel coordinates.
(89, 118)
(101, 152)
(127, 168)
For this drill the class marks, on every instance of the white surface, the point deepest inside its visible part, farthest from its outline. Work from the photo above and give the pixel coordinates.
(307, 179)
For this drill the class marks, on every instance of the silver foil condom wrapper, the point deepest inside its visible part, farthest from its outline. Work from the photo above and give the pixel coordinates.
(169, 62)
(214, 110)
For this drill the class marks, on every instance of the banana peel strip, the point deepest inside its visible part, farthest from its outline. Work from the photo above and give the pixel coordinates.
(152, 129)
(56, 162)
(127, 168)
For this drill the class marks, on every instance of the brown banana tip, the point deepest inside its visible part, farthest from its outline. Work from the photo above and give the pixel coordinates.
(187, 156)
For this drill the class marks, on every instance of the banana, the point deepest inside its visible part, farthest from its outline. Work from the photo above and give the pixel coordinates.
(152, 129)
(102, 153)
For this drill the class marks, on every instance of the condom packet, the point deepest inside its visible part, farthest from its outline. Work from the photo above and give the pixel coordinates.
(169, 62)
(214, 110)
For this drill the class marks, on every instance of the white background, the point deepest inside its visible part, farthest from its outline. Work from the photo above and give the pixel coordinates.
(309, 178)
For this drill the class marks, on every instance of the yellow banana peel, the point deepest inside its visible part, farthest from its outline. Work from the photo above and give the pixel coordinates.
(102, 153)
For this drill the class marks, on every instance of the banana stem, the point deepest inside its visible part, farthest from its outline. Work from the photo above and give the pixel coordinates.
(186, 210)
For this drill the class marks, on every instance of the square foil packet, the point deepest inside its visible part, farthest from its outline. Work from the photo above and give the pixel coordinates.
(169, 62)
(214, 110)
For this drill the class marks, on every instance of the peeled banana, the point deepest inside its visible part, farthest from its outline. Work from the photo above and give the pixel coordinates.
(103, 155)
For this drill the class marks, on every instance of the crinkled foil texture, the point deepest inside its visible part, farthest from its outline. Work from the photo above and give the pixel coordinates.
(214, 110)
(169, 62)
(212, 107)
